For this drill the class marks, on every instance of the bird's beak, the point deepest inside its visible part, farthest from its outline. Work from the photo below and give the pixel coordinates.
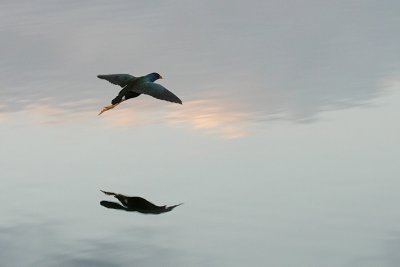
(107, 108)
(161, 77)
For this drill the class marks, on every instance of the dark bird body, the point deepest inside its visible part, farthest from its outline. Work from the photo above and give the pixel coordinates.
(134, 86)
(138, 204)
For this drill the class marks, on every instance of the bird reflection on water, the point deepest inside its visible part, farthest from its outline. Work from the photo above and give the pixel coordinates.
(135, 204)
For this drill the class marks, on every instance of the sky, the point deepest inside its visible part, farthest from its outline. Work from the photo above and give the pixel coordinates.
(256, 60)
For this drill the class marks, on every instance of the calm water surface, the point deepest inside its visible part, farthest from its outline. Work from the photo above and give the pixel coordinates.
(285, 151)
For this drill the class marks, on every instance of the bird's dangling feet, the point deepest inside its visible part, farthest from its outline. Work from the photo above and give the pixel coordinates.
(108, 108)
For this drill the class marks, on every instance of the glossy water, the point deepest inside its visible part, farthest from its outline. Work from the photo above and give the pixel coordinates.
(285, 151)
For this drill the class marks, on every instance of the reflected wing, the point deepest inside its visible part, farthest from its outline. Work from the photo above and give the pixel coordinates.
(112, 205)
(118, 79)
(108, 193)
(157, 91)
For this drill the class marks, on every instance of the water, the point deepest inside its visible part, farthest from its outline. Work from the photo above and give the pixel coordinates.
(285, 151)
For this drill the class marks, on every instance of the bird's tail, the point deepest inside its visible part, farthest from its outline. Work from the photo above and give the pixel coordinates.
(108, 193)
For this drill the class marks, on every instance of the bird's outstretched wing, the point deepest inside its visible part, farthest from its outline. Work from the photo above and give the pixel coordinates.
(118, 79)
(169, 208)
(108, 193)
(156, 90)
(112, 205)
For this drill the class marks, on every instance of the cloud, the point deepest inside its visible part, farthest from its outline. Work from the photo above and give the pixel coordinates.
(55, 115)
(3, 116)
(123, 117)
(268, 57)
(211, 117)
(207, 116)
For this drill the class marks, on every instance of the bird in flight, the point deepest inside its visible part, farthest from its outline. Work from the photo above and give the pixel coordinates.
(138, 204)
(135, 86)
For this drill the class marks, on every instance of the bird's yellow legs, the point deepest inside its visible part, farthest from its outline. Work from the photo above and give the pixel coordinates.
(108, 108)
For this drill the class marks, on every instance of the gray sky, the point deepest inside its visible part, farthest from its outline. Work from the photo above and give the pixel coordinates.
(259, 57)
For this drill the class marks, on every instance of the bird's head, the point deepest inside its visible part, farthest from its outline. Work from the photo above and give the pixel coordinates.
(153, 76)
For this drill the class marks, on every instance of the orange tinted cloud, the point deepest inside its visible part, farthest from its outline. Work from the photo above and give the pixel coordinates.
(72, 112)
(201, 115)
(49, 114)
(121, 117)
(3, 117)
(211, 117)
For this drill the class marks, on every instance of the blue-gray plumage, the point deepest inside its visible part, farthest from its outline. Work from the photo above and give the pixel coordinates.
(135, 86)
